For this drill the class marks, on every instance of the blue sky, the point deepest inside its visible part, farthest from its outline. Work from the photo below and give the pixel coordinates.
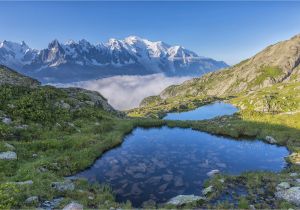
(229, 31)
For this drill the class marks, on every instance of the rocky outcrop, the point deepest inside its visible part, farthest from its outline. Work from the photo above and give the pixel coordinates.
(291, 195)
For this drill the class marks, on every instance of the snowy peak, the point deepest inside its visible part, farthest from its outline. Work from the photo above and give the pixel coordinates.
(132, 55)
(16, 55)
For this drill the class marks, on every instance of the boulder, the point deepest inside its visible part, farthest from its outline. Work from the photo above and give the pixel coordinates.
(291, 195)
(207, 190)
(6, 120)
(270, 140)
(293, 174)
(63, 186)
(32, 199)
(8, 155)
(184, 199)
(283, 186)
(73, 206)
(213, 172)
(53, 204)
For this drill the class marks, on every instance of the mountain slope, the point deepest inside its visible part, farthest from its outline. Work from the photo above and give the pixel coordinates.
(278, 63)
(82, 60)
(9, 76)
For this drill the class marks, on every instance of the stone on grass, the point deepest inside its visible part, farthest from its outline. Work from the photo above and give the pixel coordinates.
(184, 199)
(213, 172)
(28, 182)
(293, 174)
(53, 204)
(291, 195)
(63, 186)
(8, 155)
(32, 199)
(6, 120)
(271, 140)
(207, 190)
(283, 186)
(73, 206)
(9, 146)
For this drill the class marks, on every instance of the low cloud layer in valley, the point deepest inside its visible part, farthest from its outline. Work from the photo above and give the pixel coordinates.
(126, 92)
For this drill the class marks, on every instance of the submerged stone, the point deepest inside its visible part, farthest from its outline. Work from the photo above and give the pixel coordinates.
(213, 172)
(184, 199)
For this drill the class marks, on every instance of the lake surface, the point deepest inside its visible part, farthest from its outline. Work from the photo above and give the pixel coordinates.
(204, 112)
(157, 164)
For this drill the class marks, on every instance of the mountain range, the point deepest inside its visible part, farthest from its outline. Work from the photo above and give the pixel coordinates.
(75, 61)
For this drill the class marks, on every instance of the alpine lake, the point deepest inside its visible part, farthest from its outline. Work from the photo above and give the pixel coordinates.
(157, 164)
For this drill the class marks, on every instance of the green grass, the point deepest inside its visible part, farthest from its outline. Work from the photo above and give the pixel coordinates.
(267, 72)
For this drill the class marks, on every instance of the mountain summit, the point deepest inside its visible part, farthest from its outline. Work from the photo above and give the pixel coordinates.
(73, 61)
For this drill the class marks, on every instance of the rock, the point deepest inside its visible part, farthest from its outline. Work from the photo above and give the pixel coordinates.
(207, 190)
(63, 105)
(91, 103)
(9, 146)
(293, 174)
(21, 127)
(73, 206)
(178, 182)
(283, 186)
(34, 155)
(63, 186)
(252, 207)
(53, 204)
(184, 199)
(291, 195)
(8, 155)
(270, 140)
(167, 177)
(32, 199)
(295, 158)
(28, 182)
(135, 190)
(6, 120)
(213, 172)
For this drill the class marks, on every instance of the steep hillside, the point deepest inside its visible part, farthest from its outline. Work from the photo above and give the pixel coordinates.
(278, 63)
(9, 76)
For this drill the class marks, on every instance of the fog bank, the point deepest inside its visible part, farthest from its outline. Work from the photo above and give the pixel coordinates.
(126, 92)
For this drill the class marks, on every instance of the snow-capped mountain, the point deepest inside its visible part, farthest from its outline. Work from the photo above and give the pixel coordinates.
(73, 61)
(16, 55)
